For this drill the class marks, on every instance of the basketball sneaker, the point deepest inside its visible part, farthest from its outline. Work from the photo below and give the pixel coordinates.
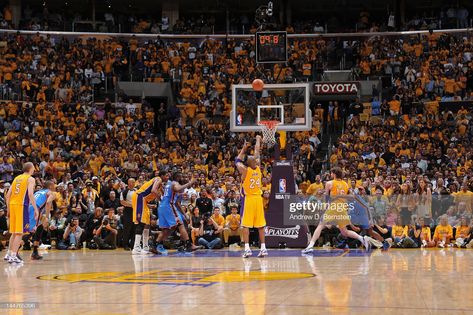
(386, 245)
(366, 242)
(263, 253)
(307, 250)
(36, 256)
(6, 257)
(161, 250)
(247, 254)
(136, 251)
(19, 257)
(145, 251)
(375, 243)
(14, 260)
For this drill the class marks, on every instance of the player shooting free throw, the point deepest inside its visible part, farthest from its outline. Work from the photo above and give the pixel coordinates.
(252, 211)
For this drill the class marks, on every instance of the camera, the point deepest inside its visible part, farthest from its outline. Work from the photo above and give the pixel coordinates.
(105, 222)
(72, 224)
(205, 217)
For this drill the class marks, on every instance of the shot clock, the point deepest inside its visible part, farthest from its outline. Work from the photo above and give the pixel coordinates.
(271, 47)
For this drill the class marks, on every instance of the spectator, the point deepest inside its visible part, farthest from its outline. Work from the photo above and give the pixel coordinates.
(105, 234)
(72, 234)
(425, 234)
(400, 235)
(462, 233)
(208, 234)
(6, 170)
(443, 233)
(383, 230)
(231, 201)
(195, 224)
(218, 201)
(90, 195)
(57, 226)
(127, 217)
(204, 203)
(232, 225)
(153, 231)
(113, 203)
(94, 221)
(4, 233)
(3, 204)
(219, 220)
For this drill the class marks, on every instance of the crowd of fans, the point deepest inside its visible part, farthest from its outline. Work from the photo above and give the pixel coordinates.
(92, 150)
(63, 19)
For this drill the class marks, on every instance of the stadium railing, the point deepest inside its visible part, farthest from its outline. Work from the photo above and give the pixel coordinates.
(237, 36)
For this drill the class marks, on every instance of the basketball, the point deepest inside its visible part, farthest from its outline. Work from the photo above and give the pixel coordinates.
(258, 85)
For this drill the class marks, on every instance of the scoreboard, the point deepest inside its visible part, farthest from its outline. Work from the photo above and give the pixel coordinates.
(271, 47)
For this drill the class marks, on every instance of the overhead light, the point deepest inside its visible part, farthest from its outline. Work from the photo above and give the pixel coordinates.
(269, 10)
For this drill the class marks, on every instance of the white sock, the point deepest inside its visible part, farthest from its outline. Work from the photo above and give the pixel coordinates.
(247, 246)
(145, 238)
(311, 244)
(137, 242)
(263, 246)
(8, 252)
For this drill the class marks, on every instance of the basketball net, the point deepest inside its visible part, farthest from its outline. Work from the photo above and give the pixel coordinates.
(269, 131)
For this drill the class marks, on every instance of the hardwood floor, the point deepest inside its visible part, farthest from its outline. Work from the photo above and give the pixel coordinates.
(330, 282)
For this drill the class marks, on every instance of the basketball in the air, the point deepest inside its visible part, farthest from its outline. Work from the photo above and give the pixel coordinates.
(258, 85)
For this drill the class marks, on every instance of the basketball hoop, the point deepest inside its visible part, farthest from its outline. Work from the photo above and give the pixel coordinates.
(269, 131)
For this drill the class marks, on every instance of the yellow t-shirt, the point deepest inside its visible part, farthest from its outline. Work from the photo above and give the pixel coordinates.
(399, 231)
(425, 233)
(395, 105)
(313, 188)
(233, 222)
(219, 219)
(462, 231)
(442, 232)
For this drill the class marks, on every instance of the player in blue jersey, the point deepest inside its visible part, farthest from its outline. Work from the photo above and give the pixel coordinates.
(44, 201)
(170, 215)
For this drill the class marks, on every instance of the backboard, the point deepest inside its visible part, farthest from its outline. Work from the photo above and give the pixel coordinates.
(286, 103)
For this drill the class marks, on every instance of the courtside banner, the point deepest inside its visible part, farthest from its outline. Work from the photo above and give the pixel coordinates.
(336, 88)
(364, 211)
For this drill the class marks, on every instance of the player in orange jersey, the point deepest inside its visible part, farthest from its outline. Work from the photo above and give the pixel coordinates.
(252, 210)
(18, 200)
(337, 215)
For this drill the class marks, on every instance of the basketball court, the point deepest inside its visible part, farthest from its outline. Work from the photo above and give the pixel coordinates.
(220, 282)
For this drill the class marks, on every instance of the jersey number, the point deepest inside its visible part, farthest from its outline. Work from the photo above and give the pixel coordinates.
(254, 183)
(17, 188)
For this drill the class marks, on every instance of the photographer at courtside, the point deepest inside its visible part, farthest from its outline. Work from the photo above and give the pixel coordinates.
(73, 233)
(208, 233)
(105, 236)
